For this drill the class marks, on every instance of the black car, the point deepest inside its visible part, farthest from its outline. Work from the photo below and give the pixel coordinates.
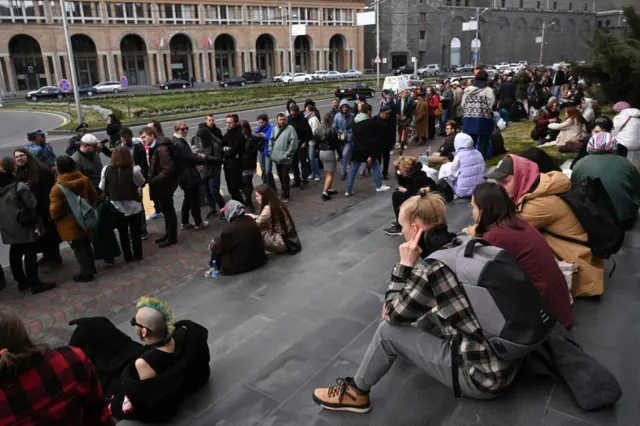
(405, 69)
(47, 92)
(85, 90)
(233, 81)
(353, 90)
(175, 84)
(252, 77)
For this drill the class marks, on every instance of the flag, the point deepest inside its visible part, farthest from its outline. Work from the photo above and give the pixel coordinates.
(161, 42)
(157, 42)
(204, 42)
(210, 42)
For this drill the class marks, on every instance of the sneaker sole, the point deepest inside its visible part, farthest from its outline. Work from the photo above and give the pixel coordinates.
(342, 407)
(393, 234)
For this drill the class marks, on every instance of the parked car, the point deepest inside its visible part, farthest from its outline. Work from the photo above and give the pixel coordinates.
(46, 92)
(84, 90)
(514, 67)
(502, 66)
(524, 63)
(299, 77)
(352, 73)
(252, 77)
(414, 81)
(175, 84)
(319, 74)
(108, 87)
(332, 75)
(278, 78)
(353, 89)
(429, 70)
(404, 69)
(465, 68)
(233, 81)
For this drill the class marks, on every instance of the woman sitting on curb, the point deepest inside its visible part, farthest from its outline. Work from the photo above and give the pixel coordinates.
(274, 221)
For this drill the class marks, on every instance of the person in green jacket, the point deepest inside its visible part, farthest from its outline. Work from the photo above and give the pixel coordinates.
(522, 81)
(282, 145)
(620, 178)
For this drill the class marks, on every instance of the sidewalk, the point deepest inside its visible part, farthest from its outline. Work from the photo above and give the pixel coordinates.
(119, 285)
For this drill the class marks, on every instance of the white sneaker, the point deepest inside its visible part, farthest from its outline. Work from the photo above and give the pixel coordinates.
(383, 188)
(348, 194)
(204, 224)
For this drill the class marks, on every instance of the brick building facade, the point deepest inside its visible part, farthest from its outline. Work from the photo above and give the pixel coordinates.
(150, 42)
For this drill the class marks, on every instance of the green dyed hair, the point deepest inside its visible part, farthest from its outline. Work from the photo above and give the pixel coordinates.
(160, 306)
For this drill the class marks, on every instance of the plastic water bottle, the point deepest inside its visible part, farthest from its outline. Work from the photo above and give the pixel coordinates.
(428, 151)
(214, 269)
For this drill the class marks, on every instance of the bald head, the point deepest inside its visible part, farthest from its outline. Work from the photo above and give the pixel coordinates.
(152, 319)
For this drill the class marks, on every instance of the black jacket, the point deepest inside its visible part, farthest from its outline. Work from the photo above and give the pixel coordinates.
(302, 128)
(189, 175)
(211, 146)
(327, 139)
(415, 180)
(448, 148)
(366, 140)
(250, 157)
(113, 130)
(387, 129)
(507, 92)
(140, 159)
(233, 143)
(72, 145)
(240, 247)
(558, 78)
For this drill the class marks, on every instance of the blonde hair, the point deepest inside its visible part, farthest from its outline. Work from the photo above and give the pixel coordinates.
(405, 162)
(427, 207)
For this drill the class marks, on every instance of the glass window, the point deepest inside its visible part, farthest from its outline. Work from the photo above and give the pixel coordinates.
(168, 11)
(570, 6)
(179, 10)
(423, 35)
(128, 7)
(119, 9)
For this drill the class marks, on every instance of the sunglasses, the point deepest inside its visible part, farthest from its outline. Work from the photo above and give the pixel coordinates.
(134, 323)
(183, 129)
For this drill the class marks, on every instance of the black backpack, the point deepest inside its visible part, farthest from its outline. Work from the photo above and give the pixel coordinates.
(594, 209)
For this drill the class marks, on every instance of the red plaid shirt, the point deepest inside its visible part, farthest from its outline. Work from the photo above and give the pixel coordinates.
(62, 390)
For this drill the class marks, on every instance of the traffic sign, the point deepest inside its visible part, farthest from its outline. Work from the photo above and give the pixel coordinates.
(475, 56)
(124, 82)
(64, 85)
(377, 60)
(384, 60)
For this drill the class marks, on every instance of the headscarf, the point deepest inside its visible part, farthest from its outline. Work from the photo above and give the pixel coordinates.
(617, 108)
(602, 142)
(525, 174)
(588, 113)
(233, 209)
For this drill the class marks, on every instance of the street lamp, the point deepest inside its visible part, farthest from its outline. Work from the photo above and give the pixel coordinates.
(544, 28)
(376, 8)
(72, 71)
(477, 39)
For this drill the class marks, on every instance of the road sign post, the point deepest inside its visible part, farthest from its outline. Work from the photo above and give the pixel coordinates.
(64, 86)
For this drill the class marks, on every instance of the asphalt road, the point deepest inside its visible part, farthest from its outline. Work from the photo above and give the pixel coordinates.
(15, 125)
(59, 143)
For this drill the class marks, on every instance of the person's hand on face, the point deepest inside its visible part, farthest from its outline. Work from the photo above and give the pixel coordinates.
(410, 251)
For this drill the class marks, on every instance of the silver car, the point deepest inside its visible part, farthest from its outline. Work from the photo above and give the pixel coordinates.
(332, 75)
(108, 87)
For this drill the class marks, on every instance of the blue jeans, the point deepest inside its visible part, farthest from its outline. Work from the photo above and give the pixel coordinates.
(266, 166)
(315, 170)
(212, 191)
(443, 120)
(377, 176)
(347, 151)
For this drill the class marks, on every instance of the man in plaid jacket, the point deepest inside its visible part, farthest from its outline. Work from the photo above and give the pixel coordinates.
(426, 290)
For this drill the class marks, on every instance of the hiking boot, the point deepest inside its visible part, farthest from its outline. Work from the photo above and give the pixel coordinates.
(187, 226)
(383, 188)
(342, 397)
(203, 225)
(394, 230)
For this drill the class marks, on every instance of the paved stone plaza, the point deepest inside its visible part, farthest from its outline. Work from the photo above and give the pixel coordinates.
(300, 322)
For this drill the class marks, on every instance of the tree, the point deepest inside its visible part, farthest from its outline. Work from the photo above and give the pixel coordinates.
(615, 61)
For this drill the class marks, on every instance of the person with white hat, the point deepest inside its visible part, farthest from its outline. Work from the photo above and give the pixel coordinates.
(88, 160)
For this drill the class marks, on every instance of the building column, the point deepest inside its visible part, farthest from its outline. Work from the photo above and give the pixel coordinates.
(197, 66)
(214, 69)
(254, 60)
(205, 66)
(111, 66)
(3, 87)
(237, 63)
(247, 61)
(47, 71)
(276, 58)
(152, 70)
(313, 64)
(101, 75)
(167, 64)
(160, 66)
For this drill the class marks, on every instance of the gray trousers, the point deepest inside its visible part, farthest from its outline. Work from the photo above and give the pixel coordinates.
(429, 353)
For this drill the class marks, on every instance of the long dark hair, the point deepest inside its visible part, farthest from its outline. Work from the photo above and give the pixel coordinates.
(20, 352)
(495, 207)
(279, 211)
(114, 119)
(246, 129)
(33, 171)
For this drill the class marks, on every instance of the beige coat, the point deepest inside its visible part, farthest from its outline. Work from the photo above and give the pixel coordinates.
(546, 211)
(272, 236)
(420, 116)
(570, 131)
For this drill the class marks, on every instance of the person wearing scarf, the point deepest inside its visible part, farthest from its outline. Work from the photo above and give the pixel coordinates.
(477, 103)
(620, 178)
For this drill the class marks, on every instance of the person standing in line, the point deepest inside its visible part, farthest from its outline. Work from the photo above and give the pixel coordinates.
(249, 161)
(233, 143)
(87, 158)
(190, 178)
(433, 104)
(458, 111)
(387, 135)
(139, 154)
(163, 181)
(263, 133)
(282, 146)
(72, 179)
(300, 165)
(343, 122)
(405, 115)
(420, 116)
(20, 226)
(366, 149)
(120, 181)
(477, 102)
(314, 122)
(328, 145)
(113, 130)
(41, 149)
(209, 147)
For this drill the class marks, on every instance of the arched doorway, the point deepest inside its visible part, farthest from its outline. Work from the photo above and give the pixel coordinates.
(456, 45)
(181, 52)
(336, 53)
(265, 55)
(27, 62)
(86, 59)
(302, 49)
(134, 59)
(225, 48)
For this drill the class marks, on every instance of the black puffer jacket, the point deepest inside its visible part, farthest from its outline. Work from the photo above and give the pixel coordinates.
(189, 175)
(302, 128)
(415, 180)
(210, 145)
(327, 139)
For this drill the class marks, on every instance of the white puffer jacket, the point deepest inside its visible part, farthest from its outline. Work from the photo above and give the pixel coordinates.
(629, 136)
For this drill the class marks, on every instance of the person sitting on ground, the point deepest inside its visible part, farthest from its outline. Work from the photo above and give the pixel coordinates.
(549, 115)
(87, 158)
(572, 131)
(146, 381)
(240, 247)
(537, 201)
(587, 107)
(498, 223)
(545, 162)
(446, 150)
(411, 179)
(424, 288)
(620, 178)
(465, 172)
(602, 124)
(626, 126)
(68, 229)
(274, 221)
(74, 142)
(44, 386)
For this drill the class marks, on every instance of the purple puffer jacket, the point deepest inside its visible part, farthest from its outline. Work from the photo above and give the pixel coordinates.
(472, 168)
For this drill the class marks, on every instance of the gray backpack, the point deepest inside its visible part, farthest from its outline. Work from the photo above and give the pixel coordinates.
(514, 317)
